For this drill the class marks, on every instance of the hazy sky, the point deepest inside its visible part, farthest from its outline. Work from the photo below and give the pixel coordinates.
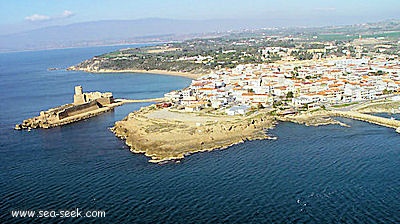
(19, 15)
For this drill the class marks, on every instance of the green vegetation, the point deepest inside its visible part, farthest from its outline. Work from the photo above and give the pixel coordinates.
(380, 106)
(289, 95)
(385, 91)
(336, 37)
(253, 47)
(389, 35)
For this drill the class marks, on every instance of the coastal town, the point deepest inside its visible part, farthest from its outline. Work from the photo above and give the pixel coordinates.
(287, 70)
(243, 84)
(200, 111)
(291, 85)
(306, 85)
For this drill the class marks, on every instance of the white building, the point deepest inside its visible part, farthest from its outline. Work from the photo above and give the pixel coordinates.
(235, 110)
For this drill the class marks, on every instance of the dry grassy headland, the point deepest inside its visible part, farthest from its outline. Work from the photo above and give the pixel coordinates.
(163, 134)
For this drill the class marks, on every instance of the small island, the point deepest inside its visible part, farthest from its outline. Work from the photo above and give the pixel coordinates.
(85, 105)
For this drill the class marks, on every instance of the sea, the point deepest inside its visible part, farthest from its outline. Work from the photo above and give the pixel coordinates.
(327, 174)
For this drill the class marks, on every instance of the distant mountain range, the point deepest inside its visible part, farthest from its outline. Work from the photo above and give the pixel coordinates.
(116, 31)
(138, 31)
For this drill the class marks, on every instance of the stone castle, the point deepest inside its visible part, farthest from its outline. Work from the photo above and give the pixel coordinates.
(86, 102)
(85, 105)
(102, 98)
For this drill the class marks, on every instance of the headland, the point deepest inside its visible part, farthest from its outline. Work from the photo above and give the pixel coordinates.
(165, 134)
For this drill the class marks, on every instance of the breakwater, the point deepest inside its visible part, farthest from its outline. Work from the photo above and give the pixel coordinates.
(156, 100)
(390, 123)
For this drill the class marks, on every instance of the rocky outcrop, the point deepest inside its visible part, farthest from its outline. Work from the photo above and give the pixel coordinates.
(172, 137)
(317, 118)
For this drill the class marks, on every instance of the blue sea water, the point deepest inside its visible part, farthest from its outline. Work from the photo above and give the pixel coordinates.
(328, 174)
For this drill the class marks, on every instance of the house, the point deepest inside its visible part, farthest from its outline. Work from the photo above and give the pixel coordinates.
(235, 110)
(187, 93)
(308, 101)
(352, 93)
(173, 96)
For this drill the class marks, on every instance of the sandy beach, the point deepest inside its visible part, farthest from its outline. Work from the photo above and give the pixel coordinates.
(157, 72)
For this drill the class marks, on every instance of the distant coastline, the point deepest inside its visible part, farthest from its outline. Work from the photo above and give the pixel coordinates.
(80, 47)
(154, 71)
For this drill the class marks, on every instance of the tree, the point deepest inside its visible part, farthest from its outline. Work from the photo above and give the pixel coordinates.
(385, 92)
(289, 95)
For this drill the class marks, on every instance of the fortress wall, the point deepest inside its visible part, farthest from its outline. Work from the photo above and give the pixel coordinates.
(85, 105)
(92, 96)
(63, 114)
(71, 111)
(105, 101)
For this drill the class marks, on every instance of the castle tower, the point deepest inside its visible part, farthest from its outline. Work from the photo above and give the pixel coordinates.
(78, 90)
(79, 97)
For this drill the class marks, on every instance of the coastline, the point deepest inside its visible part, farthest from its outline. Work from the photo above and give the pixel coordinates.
(165, 135)
(168, 135)
(386, 106)
(314, 118)
(155, 72)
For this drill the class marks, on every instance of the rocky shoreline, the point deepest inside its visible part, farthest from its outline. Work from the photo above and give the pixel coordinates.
(165, 135)
(316, 118)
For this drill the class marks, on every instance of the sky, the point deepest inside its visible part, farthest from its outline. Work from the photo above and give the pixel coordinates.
(20, 15)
